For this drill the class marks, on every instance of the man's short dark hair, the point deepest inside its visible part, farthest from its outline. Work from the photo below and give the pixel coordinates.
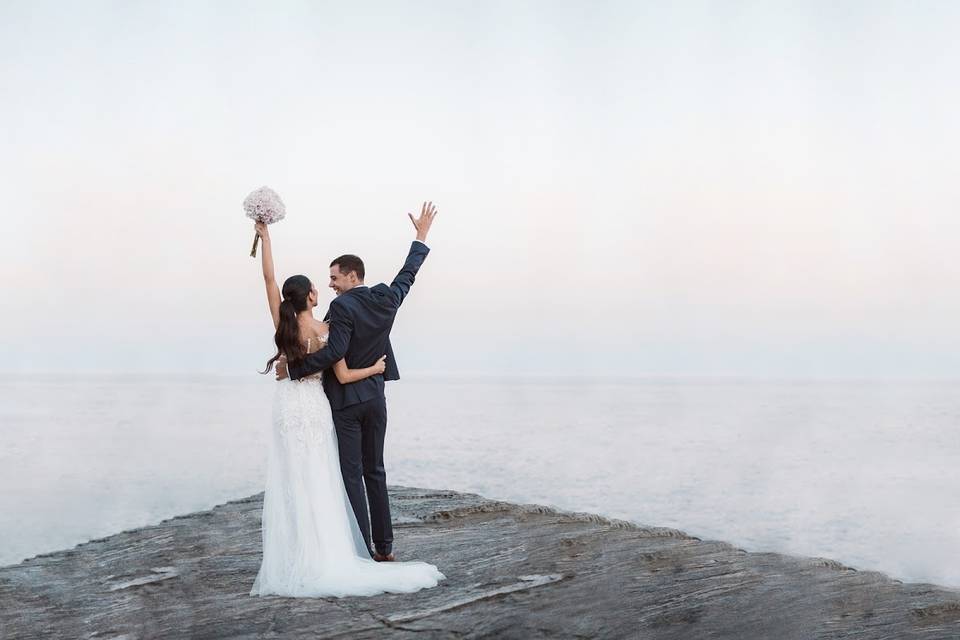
(350, 263)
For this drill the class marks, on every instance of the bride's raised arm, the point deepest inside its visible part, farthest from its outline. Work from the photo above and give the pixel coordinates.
(269, 279)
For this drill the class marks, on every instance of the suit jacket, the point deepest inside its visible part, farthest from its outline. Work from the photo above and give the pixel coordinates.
(360, 323)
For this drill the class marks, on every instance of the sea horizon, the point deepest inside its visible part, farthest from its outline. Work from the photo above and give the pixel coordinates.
(810, 468)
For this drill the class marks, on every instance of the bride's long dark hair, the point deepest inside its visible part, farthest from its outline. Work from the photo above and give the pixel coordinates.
(296, 290)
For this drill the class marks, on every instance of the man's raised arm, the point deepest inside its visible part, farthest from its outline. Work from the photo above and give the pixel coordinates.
(404, 280)
(418, 252)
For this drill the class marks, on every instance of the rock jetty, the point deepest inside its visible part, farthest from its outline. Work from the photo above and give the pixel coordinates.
(513, 571)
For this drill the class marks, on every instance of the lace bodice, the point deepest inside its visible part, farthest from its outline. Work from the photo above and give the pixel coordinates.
(314, 344)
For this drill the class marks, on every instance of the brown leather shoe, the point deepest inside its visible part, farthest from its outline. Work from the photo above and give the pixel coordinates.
(379, 557)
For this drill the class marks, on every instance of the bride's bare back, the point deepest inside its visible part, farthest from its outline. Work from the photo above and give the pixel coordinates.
(316, 336)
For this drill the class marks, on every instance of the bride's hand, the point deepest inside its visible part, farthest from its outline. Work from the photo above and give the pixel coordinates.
(262, 231)
(381, 365)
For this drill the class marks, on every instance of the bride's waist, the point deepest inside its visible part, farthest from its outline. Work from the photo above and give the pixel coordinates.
(312, 378)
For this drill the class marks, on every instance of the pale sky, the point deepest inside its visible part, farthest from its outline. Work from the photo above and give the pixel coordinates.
(625, 188)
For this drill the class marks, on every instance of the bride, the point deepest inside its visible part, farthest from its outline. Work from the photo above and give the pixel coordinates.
(312, 545)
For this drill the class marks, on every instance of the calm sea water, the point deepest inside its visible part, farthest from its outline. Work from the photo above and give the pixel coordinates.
(864, 472)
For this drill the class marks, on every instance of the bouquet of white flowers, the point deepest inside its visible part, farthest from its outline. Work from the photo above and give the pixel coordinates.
(263, 205)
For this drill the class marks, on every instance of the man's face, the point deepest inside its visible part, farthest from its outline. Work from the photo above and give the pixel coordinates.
(340, 281)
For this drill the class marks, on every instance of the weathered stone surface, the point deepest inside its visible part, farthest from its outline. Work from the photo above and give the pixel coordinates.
(514, 571)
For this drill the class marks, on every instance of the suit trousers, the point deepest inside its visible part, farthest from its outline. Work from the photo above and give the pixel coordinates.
(360, 434)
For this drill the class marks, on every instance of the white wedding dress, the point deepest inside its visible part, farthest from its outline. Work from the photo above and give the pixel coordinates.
(312, 546)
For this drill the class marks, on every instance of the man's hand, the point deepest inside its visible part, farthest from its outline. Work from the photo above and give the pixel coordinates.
(281, 368)
(422, 224)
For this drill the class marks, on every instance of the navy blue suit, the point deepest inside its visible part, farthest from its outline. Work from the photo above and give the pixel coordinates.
(360, 323)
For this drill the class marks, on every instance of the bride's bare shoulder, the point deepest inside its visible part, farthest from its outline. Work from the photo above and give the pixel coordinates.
(320, 331)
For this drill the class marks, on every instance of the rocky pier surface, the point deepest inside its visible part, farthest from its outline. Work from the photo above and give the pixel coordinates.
(513, 571)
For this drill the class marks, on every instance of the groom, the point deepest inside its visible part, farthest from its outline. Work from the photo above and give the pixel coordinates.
(360, 320)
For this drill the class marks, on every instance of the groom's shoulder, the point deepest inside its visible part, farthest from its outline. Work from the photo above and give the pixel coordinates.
(351, 298)
(342, 301)
(381, 290)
